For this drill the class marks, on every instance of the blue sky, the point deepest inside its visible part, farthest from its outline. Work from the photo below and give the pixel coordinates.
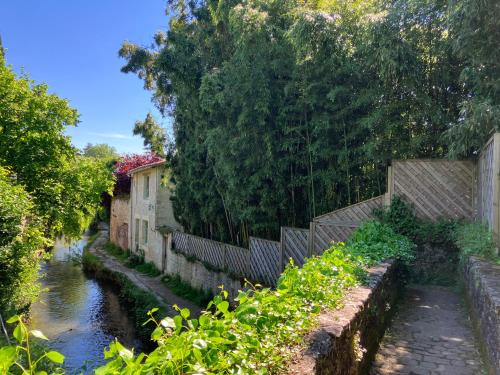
(73, 47)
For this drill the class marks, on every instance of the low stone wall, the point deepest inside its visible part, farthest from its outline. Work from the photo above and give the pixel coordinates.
(198, 275)
(347, 339)
(482, 287)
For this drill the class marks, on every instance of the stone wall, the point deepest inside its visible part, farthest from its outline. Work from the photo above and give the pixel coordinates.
(482, 286)
(197, 274)
(119, 221)
(347, 339)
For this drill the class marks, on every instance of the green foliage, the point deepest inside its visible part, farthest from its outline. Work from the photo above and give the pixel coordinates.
(182, 289)
(375, 242)
(148, 269)
(476, 239)
(307, 101)
(25, 357)
(401, 217)
(116, 251)
(155, 139)
(100, 151)
(475, 28)
(22, 246)
(66, 188)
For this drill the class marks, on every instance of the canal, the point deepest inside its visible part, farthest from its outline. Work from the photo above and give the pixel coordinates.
(80, 315)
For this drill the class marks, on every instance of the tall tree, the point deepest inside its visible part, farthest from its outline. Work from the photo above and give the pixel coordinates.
(285, 110)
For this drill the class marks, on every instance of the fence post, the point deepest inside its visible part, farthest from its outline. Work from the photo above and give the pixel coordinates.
(390, 189)
(282, 249)
(496, 188)
(310, 240)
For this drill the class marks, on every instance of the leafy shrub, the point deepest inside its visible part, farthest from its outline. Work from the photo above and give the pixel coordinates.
(375, 242)
(22, 245)
(182, 289)
(28, 355)
(476, 239)
(401, 217)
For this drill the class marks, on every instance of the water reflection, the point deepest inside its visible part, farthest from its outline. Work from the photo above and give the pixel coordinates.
(79, 315)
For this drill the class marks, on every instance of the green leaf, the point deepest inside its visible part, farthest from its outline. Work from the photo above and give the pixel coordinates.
(55, 357)
(8, 356)
(185, 313)
(38, 334)
(13, 319)
(19, 333)
(223, 306)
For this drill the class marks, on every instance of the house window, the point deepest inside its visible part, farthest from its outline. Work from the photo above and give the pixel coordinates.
(136, 235)
(144, 232)
(146, 187)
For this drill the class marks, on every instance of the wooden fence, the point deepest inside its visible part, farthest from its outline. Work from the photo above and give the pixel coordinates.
(265, 261)
(294, 244)
(487, 186)
(437, 188)
(217, 254)
(338, 225)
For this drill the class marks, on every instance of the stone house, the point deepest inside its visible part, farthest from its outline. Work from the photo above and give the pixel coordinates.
(151, 213)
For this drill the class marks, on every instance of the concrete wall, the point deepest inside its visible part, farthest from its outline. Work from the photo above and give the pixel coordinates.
(196, 274)
(119, 221)
(482, 286)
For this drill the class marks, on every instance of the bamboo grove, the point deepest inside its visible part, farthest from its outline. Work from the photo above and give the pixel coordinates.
(284, 110)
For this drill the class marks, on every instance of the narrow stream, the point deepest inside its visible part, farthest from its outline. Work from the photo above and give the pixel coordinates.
(80, 315)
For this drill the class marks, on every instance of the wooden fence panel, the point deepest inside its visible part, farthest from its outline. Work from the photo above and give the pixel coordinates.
(355, 213)
(437, 188)
(294, 243)
(217, 254)
(323, 234)
(238, 260)
(265, 261)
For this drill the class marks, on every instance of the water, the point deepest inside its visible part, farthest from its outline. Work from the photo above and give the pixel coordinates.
(80, 315)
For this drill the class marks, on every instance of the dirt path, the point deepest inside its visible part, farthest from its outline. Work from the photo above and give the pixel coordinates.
(431, 334)
(152, 285)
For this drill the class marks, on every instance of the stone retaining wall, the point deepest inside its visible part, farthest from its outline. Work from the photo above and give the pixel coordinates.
(347, 339)
(482, 286)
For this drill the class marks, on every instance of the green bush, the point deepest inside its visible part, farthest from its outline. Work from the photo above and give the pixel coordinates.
(22, 246)
(401, 217)
(375, 242)
(476, 239)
